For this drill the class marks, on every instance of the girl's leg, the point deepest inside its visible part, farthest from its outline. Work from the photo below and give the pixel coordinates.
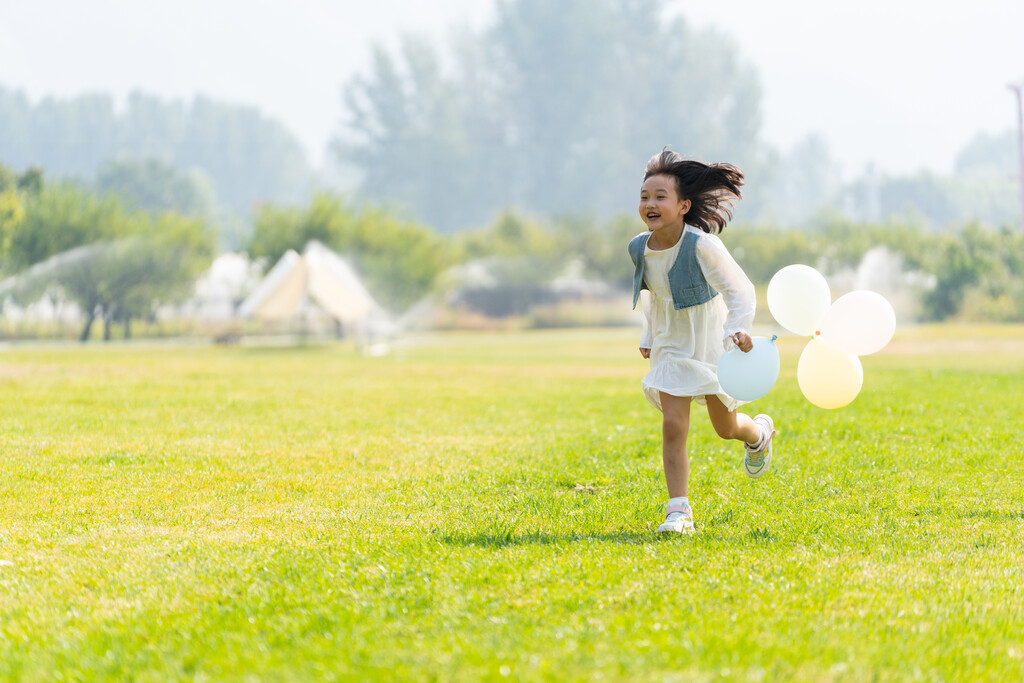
(674, 428)
(731, 425)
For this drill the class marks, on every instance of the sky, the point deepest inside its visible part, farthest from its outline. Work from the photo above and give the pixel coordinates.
(901, 85)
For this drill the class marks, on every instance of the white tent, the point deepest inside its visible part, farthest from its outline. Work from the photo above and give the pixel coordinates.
(318, 276)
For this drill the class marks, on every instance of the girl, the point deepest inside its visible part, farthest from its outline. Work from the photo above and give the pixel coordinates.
(681, 268)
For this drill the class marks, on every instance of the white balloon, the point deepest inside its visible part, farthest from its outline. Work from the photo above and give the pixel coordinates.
(798, 297)
(860, 323)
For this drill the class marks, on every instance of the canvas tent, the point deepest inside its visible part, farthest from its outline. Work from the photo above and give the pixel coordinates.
(318, 277)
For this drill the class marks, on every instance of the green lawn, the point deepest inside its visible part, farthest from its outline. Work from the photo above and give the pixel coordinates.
(483, 507)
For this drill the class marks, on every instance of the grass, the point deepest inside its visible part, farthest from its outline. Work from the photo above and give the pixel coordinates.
(482, 507)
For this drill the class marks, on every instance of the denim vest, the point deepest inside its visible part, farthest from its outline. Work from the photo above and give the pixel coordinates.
(689, 288)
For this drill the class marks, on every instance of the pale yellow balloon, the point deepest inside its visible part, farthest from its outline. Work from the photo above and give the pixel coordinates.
(829, 378)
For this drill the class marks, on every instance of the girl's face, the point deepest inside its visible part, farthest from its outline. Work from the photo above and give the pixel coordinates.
(660, 205)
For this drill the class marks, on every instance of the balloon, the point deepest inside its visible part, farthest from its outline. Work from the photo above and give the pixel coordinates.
(749, 376)
(860, 323)
(798, 297)
(829, 378)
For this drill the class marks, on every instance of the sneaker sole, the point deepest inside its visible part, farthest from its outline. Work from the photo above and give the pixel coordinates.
(675, 527)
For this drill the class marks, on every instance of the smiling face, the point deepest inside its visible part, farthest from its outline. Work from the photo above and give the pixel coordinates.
(661, 208)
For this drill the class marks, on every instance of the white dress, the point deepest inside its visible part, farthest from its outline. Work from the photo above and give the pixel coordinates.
(686, 344)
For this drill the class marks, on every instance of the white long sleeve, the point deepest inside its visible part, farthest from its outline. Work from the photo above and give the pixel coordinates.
(646, 337)
(725, 275)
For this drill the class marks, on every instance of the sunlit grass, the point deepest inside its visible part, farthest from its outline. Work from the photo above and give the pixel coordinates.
(477, 506)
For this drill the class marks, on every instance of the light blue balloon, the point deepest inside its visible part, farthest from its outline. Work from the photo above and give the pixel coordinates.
(749, 376)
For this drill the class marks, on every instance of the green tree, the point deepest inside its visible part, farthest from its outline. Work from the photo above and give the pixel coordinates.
(981, 266)
(60, 218)
(154, 185)
(509, 234)
(763, 251)
(398, 259)
(157, 266)
(277, 229)
(12, 213)
(601, 244)
(89, 249)
(15, 190)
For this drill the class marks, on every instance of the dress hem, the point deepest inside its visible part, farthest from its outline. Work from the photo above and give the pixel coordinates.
(653, 394)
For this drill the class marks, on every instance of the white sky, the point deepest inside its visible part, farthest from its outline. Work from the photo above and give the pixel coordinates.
(903, 84)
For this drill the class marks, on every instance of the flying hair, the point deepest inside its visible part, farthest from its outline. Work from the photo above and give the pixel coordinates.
(711, 188)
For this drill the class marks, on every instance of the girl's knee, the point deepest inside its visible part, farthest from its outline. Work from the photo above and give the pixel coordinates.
(675, 426)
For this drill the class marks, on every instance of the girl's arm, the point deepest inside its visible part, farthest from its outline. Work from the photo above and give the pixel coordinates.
(646, 337)
(725, 275)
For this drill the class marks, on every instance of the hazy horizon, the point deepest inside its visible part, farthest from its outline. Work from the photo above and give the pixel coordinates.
(903, 86)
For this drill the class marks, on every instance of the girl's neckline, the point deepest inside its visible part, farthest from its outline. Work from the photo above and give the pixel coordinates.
(670, 247)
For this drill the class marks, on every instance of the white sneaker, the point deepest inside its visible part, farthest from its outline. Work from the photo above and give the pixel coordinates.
(678, 519)
(757, 460)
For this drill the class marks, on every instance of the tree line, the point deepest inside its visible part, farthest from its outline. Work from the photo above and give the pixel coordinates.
(971, 271)
(120, 263)
(555, 107)
(235, 155)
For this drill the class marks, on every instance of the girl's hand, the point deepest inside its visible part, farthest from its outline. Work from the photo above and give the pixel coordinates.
(743, 341)
(646, 353)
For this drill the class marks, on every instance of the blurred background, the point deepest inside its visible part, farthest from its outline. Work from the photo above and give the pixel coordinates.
(359, 169)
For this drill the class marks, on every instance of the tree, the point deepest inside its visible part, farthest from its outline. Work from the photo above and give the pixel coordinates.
(409, 135)
(155, 267)
(600, 244)
(12, 213)
(250, 158)
(805, 180)
(982, 188)
(114, 280)
(278, 229)
(554, 108)
(60, 218)
(154, 185)
(398, 259)
(980, 266)
(989, 152)
(112, 262)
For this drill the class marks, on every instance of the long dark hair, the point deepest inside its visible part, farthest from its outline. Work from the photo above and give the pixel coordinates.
(711, 188)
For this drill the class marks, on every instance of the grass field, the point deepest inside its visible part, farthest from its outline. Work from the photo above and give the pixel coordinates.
(479, 507)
